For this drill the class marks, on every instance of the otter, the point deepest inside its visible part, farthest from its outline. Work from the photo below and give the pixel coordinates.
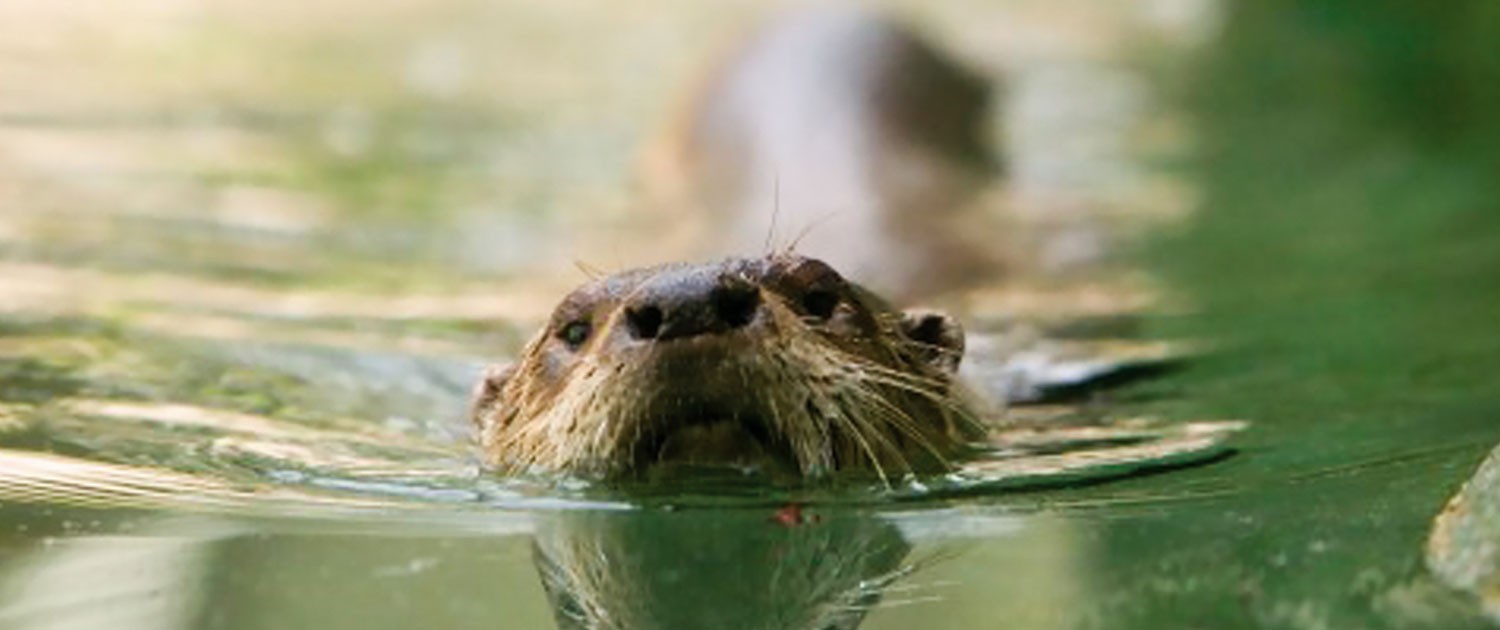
(847, 127)
(775, 364)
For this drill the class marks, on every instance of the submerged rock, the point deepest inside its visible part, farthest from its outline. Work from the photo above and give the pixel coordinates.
(1463, 549)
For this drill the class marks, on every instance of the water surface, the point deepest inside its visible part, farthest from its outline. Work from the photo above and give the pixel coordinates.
(245, 294)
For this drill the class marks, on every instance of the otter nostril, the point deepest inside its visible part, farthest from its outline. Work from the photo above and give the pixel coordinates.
(735, 304)
(644, 322)
(820, 303)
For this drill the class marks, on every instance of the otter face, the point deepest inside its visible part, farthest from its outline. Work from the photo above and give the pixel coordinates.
(773, 362)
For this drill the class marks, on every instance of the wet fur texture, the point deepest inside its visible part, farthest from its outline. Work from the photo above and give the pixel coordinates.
(802, 387)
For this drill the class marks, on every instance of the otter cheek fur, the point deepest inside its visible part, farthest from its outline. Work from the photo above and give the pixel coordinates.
(765, 363)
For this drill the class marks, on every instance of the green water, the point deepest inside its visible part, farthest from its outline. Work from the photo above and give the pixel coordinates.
(1347, 261)
(1341, 269)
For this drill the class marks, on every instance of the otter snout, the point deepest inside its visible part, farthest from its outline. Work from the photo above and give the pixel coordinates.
(763, 363)
(689, 303)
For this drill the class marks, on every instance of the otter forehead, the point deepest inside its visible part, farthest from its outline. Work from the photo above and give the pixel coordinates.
(788, 275)
(776, 267)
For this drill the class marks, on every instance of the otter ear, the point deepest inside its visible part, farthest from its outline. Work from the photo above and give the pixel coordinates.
(487, 390)
(939, 337)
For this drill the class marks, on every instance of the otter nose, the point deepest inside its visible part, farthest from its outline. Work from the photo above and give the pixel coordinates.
(678, 305)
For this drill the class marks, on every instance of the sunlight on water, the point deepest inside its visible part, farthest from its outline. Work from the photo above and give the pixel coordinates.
(256, 465)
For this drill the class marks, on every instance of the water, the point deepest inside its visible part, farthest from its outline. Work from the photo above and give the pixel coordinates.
(253, 258)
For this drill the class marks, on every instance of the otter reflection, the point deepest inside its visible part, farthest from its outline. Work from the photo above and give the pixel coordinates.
(716, 569)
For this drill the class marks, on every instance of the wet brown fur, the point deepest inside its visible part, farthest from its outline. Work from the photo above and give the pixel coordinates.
(865, 389)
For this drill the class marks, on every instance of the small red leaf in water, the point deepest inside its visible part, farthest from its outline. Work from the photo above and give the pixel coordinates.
(791, 515)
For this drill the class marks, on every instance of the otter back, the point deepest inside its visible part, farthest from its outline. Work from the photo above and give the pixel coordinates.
(843, 129)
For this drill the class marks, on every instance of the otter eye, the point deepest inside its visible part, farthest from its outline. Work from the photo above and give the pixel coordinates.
(575, 333)
(820, 303)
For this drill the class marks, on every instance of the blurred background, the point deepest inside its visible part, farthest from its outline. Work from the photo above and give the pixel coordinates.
(234, 232)
(419, 146)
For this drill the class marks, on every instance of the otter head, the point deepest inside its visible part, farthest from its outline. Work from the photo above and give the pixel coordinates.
(773, 363)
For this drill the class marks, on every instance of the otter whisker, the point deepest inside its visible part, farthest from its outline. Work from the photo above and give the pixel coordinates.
(942, 397)
(931, 396)
(859, 423)
(875, 368)
(855, 432)
(904, 423)
(775, 212)
(808, 228)
(589, 270)
(876, 400)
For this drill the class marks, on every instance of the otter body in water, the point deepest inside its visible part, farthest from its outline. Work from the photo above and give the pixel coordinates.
(845, 126)
(776, 363)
